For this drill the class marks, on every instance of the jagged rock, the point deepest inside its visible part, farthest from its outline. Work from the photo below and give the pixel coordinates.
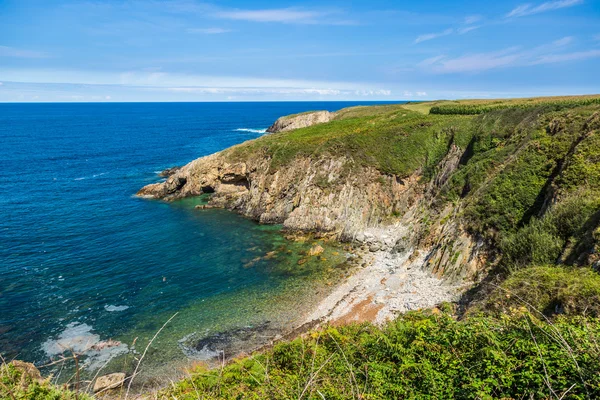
(28, 369)
(204, 206)
(316, 250)
(303, 120)
(169, 171)
(110, 381)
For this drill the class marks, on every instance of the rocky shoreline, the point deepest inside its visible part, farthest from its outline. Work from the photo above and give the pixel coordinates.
(414, 260)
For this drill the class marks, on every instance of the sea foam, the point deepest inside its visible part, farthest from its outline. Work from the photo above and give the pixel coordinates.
(251, 130)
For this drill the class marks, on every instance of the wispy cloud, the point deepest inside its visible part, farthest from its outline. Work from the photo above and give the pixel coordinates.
(208, 31)
(6, 51)
(282, 15)
(530, 9)
(279, 91)
(564, 41)
(575, 56)
(471, 19)
(429, 36)
(511, 57)
(462, 31)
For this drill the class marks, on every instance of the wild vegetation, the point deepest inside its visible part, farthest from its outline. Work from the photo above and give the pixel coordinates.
(418, 356)
(528, 184)
(19, 384)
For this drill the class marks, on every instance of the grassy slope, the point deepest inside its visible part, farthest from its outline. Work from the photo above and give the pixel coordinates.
(390, 138)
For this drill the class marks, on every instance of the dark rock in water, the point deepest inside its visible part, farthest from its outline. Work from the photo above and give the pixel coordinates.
(169, 171)
(204, 206)
(231, 342)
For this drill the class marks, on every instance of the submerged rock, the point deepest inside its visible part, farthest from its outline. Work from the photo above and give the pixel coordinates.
(316, 250)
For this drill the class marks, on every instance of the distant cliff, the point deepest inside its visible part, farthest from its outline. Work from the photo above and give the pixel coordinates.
(303, 120)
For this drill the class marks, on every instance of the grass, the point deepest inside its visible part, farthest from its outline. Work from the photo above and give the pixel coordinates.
(15, 384)
(390, 138)
(472, 107)
(418, 356)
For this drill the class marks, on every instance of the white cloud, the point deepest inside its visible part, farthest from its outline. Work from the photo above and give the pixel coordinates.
(471, 19)
(575, 56)
(476, 62)
(430, 61)
(107, 97)
(529, 9)
(407, 94)
(430, 36)
(466, 29)
(208, 31)
(284, 15)
(563, 42)
(277, 91)
(1, 83)
(421, 94)
(6, 51)
(511, 57)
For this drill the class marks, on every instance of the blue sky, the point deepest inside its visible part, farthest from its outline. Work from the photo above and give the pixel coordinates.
(191, 50)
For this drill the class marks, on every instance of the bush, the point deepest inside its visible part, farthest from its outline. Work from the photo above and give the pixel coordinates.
(551, 290)
(418, 356)
(474, 109)
(16, 384)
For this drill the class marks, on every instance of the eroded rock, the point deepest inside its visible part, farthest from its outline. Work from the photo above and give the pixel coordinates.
(110, 381)
(303, 120)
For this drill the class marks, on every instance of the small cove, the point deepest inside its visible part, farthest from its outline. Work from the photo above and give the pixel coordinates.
(87, 266)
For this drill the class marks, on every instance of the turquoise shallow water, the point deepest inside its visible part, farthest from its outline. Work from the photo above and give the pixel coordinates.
(84, 261)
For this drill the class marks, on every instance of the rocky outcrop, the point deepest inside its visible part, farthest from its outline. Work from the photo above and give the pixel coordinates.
(328, 196)
(303, 120)
(333, 196)
(110, 381)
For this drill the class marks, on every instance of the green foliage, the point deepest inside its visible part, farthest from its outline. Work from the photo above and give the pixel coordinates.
(390, 138)
(543, 240)
(548, 289)
(474, 109)
(17, 385)
(418, 356)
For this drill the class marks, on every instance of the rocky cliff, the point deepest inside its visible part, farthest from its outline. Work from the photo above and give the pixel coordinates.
(447, 190)
(291, 122)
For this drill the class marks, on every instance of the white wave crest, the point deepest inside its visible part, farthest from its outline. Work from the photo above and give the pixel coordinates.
(251, 130)
(111, 308)
(78, 338)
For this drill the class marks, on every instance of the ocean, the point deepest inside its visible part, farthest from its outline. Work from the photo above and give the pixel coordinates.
(86, 267)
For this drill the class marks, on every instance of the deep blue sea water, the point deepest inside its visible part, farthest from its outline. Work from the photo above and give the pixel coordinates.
(82, 260)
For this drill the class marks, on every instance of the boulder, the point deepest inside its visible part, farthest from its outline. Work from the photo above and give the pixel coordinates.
(110, 381)
(28, 369)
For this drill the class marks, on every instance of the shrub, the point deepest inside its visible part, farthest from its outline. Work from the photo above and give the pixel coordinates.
(417, 356)
(550, 289)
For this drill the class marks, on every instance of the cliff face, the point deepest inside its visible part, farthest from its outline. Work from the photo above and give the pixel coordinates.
(288, 123)
(447, 191)
(334, 197)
